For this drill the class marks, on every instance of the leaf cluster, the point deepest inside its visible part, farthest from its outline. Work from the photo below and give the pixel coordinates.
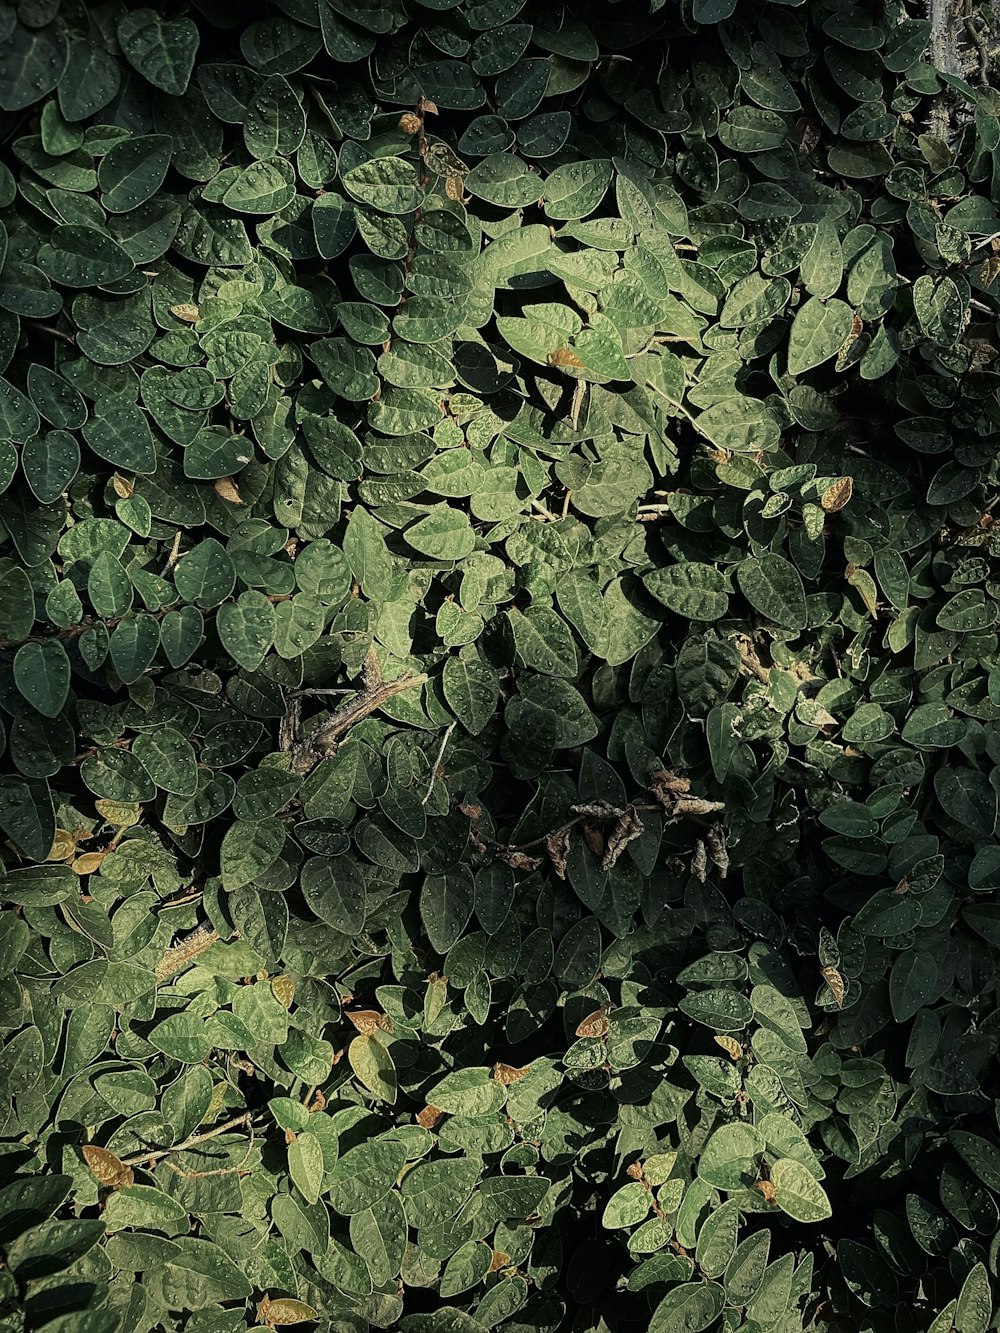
(498, 668)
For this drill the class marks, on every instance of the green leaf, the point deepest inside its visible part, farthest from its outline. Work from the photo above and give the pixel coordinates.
(246, 628)
(365, 1174)
(161, 50)
(81, 256)
(120, 435)
(773, 587)
(819, 331)
(249, 850)
(42, 676)
(386, 183)
(133, 170)
(797, 1192)
(374, 1067)
(723, 1010)
(697, 591)
(205, 575)
(169, 759)
(305, 1165)
(689, 1308)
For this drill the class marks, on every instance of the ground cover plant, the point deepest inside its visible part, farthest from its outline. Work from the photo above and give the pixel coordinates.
(499, 666)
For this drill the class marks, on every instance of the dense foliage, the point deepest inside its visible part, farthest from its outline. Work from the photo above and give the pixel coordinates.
(499, 667)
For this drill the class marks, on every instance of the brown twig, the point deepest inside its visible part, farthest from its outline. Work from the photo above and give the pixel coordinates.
(437, 763)
(375, 692)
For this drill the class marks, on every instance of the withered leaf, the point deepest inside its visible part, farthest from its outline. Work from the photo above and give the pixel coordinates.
(225, 488)
(730, 1045)
(563, 356)
(837, 495)
(107, 1167)
(508, 1074)
(628, 827)
(835, 982)
(557, 846)
(595, 1024)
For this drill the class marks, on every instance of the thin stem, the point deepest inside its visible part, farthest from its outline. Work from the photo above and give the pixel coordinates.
(437, 763)
(144, 1158)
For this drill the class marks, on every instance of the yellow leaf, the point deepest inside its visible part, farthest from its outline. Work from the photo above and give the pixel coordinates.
(374, 1066)
(122, 814)
(283, 1311)
(730, 1045)
(283, 989)
(186, 311)
(88, 863)
(63, 846)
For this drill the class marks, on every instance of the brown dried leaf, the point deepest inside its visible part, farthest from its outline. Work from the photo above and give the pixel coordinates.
(429, 1116)
(628, 827)
(409, 123)
(595, 1024)
(454, 189)
(518, 860)
(122, 814)
(598, 810)
(715, 842)
(123, 488)
(635, 1171)
(594, 839)
(809, 134)
(367, 1021)
(443, 162)
(225, 488)
(697, 805)
(508, 1074)
(425, 105)
(837, 495)
(63, 846)
(186, 311)
(836, 984)
(699, 862)
(499, 1260)
(557, 846)
(563, 356)
(767, 1189)
(902, 887)
(106, 1167)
